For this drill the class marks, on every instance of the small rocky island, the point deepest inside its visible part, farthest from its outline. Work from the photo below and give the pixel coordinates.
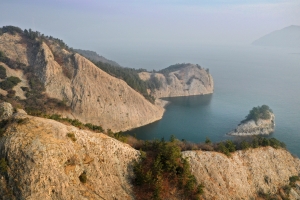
(259, 121)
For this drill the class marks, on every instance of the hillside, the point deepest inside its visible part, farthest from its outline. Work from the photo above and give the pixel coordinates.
(44, 159)
(91, 55)
(54, 79)
(286, 37)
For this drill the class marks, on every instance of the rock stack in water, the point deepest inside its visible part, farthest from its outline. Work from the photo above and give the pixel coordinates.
(260, 121)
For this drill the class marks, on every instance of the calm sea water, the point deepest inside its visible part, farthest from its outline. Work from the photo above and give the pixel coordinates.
(244, 77)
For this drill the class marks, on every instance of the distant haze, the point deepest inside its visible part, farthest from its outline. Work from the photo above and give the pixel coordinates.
(113, 26)
(287, 37)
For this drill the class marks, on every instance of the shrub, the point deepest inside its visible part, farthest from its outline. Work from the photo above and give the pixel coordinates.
(259, 112)
(9, 83)
(83, 177)
(161, 169)
(3, 166)
(2, 72)
(11, 93)
(71, 136)
(223, 149)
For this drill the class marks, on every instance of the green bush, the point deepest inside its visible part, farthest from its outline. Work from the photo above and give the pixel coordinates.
(9, 83)
(3, 166)
(71, 136)
(162, 166)
(2, 71)
(259, 112)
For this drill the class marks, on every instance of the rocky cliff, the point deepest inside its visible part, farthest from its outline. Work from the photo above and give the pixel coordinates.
(181, 80)
(45, 159)
(50, 160)
(92, 95)
(245, 174)
(259, 127)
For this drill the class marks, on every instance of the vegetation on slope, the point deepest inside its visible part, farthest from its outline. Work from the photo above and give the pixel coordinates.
(162, 169)
(176, 67)
(131, 77)
(259, 112)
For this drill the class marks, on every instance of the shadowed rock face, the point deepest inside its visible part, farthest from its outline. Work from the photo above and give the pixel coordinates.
(250, 127)
(186, 81)
(44, 163)
(93, 95)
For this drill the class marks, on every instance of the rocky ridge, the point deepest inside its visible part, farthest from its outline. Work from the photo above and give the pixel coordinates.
(260, 127)
(46, 160)
(187, 80)
(245, 174)
(93, 95)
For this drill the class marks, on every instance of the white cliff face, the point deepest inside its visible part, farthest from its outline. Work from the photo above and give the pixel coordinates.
(187, 81)
(250, 127)
(44, 163)
(244, 174)
(93, 95)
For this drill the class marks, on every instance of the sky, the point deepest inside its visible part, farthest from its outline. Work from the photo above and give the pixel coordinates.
(136, 24)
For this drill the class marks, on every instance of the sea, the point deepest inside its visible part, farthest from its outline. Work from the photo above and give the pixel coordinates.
(245, 76)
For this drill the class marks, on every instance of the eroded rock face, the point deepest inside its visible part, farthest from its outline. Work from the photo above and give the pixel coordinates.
(93, 95)
(46, 159)
(244, 174)
(186, 81)
(6, 110)
(44, 163)
(250, 127)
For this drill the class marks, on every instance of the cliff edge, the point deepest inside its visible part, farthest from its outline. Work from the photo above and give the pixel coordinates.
(180, 80)
(91, 95)
(46, 159)
(245, 174)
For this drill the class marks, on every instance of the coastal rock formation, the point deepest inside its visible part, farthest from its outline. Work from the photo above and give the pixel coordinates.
(49, 160)
(252, 127)
(92, 95)
(181, 80)
(45, 159)
(245, 174)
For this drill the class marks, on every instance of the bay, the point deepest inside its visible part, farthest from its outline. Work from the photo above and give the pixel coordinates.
(244, 77)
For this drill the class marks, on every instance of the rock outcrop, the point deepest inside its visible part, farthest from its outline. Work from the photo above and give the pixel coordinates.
(93, 95)
(245, 174)
(185, 80)
(260, 127)
(46, 159)
(49, 160)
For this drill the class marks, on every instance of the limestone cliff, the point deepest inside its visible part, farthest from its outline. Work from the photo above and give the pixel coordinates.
(260, 127)
(93, 95)
(181, 80)
(244, 174)
(46, 160)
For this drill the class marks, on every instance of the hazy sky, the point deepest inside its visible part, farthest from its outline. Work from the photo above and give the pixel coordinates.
(109, 24)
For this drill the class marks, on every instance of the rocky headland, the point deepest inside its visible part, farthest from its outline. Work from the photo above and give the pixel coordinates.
(256, 123)
(89, 94)
(181, 80)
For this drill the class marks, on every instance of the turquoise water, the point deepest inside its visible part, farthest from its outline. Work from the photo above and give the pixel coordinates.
(244, 77)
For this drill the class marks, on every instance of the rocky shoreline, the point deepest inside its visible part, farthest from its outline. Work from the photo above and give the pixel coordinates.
(250, 127)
